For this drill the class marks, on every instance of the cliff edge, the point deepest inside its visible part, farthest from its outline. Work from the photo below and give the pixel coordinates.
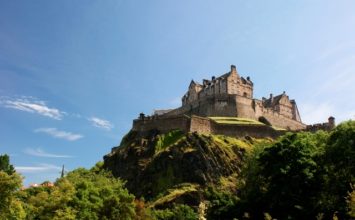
(157, 162)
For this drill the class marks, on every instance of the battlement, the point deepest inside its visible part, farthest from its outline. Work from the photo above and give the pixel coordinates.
(327, 126)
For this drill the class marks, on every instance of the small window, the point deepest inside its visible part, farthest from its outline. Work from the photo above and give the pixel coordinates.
(245, 94)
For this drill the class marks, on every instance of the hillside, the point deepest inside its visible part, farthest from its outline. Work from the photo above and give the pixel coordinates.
(157, 162)
(300, 175)
(182, 176)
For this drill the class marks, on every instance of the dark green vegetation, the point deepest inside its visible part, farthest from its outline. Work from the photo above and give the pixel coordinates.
(157, 162)
(184, 176)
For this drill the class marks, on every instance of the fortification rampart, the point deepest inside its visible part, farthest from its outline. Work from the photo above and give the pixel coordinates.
(327, 126)
(201, 125)
(163, 124)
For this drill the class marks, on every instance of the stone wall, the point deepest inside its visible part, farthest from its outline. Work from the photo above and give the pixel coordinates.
(257, 131)
(244, 107)
(282, 122)
(236, 106)
(163, 124)
(200, 125)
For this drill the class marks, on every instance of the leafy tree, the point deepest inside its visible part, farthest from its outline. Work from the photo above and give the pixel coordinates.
(284, 179)
(178, 212)
(51, 203)
(10, 183)
(339, 166)
(5, 164)
(351, 203)
(292, 174)
(82, 194)
(221, 204)
(100, 196)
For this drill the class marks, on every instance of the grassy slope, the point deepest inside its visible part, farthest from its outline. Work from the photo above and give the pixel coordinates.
(235, 120)
(165, 142)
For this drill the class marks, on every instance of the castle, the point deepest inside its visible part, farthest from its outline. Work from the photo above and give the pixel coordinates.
(225, 105)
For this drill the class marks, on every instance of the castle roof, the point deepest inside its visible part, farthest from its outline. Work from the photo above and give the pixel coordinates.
(273, 100)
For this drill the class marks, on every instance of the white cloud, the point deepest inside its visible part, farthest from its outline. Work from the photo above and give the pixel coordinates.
(37, 169)
(101, 123)
(40, 153)
(60, 134)
(30, 104)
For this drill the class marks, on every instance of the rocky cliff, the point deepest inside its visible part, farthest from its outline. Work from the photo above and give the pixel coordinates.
(157, 162)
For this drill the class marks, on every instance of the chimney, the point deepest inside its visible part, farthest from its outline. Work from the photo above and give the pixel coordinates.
(233, 69)
(141, 116)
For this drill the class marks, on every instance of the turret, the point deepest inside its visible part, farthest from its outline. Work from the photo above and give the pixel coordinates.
(331, 122)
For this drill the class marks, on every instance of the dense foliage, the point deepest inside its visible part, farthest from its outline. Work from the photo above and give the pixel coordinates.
(300, 176)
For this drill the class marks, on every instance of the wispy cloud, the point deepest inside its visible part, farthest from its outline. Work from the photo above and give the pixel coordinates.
(38, 169)
(101, 123)
(32, 105)
(60, 134)
(40, 153)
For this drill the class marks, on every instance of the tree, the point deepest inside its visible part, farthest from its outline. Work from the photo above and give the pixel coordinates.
(351, 203)
(99, 195)
(10, 183)
(292, 174)
(178, 212)
(339, 168)
(284, 178)
(5, 164)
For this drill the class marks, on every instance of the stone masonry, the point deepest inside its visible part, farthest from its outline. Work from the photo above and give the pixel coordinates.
(229, 95)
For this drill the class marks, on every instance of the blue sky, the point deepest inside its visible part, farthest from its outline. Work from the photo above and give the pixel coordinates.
(73, 74)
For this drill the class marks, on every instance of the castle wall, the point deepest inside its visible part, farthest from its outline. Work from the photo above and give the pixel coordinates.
(200, 125)
(257, 131)
(258, 107)
(320, 126)
(216, 105)
(280, 121)
(244, 107)
(162, 124)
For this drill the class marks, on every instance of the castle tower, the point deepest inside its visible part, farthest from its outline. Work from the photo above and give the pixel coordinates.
(239, 85)
(331, 122)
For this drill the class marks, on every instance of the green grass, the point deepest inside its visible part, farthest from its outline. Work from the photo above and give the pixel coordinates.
(236, 121)
(278, 129)
(227, 141)
(173, 193)
(165, 140)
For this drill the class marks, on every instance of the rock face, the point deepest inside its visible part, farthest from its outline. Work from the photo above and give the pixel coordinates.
(157, 162)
